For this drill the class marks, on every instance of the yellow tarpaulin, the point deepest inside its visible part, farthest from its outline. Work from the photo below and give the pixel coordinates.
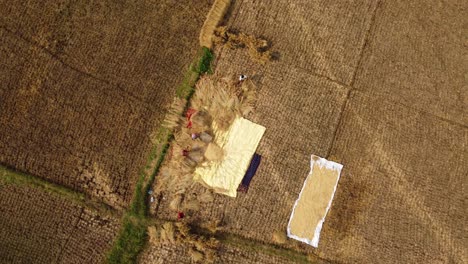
(239, 144)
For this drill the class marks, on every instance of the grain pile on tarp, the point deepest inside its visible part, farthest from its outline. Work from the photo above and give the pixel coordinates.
(314, 201)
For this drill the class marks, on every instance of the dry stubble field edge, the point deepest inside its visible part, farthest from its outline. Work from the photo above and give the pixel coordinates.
(11, 176)
(249, 245)
(132, 236)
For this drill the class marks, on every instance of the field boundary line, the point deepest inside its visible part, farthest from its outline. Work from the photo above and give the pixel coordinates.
(12, 176)
(366, 42)
(75, 226)
(132, 236)
(270, 249)
(395, 101)
(351, 85)
(51, 54)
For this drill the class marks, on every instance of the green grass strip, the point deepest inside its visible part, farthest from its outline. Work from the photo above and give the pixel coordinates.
(132, 236)
(201, 66)
(13, 177)
(131, 240)
(10, 176)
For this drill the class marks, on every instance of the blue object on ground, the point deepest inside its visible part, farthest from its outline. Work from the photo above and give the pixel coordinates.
(254, 163)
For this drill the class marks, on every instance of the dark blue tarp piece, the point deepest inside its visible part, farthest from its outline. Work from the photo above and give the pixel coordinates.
(254, 163)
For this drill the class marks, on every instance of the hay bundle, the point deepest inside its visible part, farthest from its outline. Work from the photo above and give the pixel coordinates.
(173, 117)
(214, 152)
(201, 248)
(224, 99)
(280, 237)
(167, 233)
(258, 48)
(214, 17)
(206, 197)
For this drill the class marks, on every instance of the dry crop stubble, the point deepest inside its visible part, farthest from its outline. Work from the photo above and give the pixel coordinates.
(33, 233)
(402, 194)
(85, 85)
(416, 54)
(227, 253)
(317, 36)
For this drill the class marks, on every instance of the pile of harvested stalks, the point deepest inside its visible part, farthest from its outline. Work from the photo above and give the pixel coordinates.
(258, 48)
(201, 248)
(217, 102)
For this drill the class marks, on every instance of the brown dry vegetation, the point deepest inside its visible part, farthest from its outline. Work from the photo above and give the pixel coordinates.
(257, 48)
(202, 248)
(85, 85)
(213, 19)
(171, 253)
(43, 227)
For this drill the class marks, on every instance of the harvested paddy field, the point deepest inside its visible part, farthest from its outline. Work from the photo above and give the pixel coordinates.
(41, 225)
(375, 86)
(404, 190)
(85, 85)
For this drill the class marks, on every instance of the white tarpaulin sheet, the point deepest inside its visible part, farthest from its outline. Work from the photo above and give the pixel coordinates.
(314, 201)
